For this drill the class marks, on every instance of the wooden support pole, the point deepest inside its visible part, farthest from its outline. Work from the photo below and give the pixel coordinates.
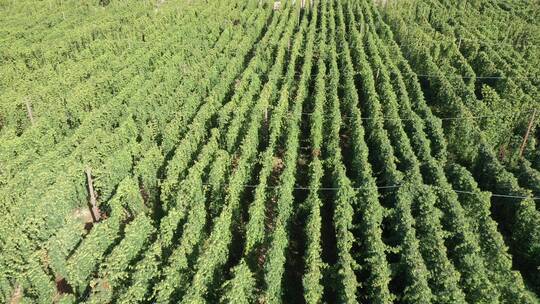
(531, 122)
(29, 111)
(502, 152)
(96, 213)
(266, 127)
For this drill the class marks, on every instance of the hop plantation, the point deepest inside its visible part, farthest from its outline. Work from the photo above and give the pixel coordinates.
(308, 151)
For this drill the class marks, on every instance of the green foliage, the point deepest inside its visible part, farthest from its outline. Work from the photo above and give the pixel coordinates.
(279, 240)
(444, 279)
(494, 250)
(240, 288)
(250, 151)
(417, 289)
(215, 251)
(312, 278)
(83, 262)
(116, 267)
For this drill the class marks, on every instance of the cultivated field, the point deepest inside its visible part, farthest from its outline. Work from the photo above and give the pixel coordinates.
(318, 151)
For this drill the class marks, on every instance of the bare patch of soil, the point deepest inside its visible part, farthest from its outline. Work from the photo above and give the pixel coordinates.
(17, 295)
